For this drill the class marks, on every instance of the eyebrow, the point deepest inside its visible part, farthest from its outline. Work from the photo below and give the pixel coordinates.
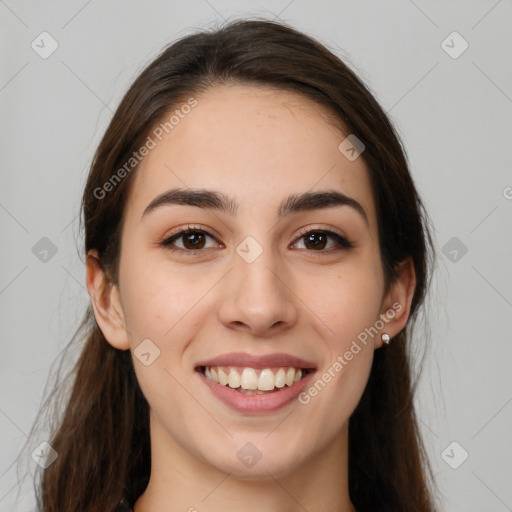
(213, 200)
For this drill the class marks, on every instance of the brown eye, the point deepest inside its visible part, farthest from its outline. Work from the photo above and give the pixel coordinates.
(191, 240)
(316, 241)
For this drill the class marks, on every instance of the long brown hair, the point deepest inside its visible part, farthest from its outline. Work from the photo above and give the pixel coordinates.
(102, 433)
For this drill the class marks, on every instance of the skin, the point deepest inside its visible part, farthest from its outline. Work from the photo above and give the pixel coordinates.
(257, 145)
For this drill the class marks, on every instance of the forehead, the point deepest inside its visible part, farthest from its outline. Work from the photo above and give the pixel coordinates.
(253, 143)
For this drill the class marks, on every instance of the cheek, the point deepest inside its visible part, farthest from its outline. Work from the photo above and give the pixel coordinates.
(350, 309)
(348, 301)
(157, 297)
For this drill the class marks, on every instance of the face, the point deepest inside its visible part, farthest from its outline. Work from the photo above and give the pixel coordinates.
(266, 284)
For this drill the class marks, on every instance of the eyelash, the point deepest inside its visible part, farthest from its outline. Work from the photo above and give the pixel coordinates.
(342, 241)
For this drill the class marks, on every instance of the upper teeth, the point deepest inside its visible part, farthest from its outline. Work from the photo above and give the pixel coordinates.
(249, 379)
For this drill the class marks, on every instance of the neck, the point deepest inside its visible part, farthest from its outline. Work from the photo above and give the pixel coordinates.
(180, 481)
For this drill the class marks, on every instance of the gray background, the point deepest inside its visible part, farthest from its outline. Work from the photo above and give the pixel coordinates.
(454, 115)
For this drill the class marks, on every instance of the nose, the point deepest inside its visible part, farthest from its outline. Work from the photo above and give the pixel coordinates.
(258, 299)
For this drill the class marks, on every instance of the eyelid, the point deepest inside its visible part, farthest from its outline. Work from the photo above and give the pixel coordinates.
(314, 227)
(192, 227)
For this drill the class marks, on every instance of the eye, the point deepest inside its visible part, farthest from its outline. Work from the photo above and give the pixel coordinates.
(317, 239)
(192, 238)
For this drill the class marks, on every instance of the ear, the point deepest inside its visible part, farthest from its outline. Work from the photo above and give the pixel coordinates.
(396, 304)
(106, 303)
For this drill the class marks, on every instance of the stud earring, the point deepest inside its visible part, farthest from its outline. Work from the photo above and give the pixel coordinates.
(385, 338)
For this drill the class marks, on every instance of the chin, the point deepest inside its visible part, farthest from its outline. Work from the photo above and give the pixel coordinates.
(260, 464)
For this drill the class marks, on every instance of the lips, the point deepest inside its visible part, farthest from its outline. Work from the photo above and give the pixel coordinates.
(256, 384)
(241, 359)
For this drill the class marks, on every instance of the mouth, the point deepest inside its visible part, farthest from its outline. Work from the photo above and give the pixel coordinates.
(254, 381)
(255, 384)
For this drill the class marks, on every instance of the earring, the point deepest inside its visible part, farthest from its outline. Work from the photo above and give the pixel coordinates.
(385, 338)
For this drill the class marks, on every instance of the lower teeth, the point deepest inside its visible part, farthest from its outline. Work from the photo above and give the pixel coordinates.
(254, 391)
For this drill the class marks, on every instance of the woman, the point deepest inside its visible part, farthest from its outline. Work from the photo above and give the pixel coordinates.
(256, 256)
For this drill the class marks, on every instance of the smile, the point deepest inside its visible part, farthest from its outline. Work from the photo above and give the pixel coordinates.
(254, 381)
(255, 401)
(253, 384)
